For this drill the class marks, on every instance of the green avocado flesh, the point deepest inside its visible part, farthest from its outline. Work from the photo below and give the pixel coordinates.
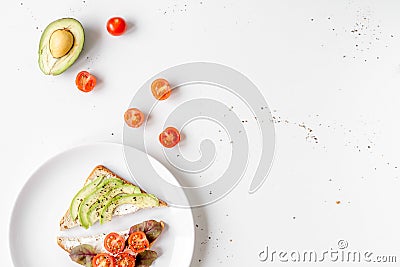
(94, 211)
(82, 194)
(101, 189)
(139, 200)
(51, 64)
(98, 200)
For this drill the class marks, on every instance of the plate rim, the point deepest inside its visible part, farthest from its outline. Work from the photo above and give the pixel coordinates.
(69, 150)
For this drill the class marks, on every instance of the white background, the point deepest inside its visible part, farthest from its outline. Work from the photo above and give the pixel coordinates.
(332, 65)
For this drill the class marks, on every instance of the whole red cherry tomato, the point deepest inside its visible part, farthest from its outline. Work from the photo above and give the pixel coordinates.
(116, 26)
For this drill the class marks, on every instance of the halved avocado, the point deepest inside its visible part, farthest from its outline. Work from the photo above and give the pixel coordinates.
(60, 45)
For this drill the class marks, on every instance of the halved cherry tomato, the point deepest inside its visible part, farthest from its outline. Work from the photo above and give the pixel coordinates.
(116, 26)
(114, 243)
(161, 89)
(138, 242)
(125, 259)
(85, 81)
(104, 260)
(134, 117)
(169, 137)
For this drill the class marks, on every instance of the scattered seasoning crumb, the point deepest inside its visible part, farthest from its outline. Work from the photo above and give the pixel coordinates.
(338, 202)
(197, 225)
(294, 218)
(112, 133)
(310, 136)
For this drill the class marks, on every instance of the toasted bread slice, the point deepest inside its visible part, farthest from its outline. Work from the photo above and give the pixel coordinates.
(67, 222)
(97, 241)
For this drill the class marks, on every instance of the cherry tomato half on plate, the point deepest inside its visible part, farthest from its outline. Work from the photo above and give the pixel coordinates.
(170, 137)
(116, 26)
(133, 117)
(85, 81)
(161, 89)
(138, 242)
(104, 260)
(125, 259)
(114, 243)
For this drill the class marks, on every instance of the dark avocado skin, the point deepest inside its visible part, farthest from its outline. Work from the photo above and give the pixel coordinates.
(55, 66)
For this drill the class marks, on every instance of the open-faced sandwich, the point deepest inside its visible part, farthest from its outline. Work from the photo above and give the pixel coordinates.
(127, 248)
(103, 196)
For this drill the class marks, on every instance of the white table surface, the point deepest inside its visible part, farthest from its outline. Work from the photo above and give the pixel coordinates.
(332, 65)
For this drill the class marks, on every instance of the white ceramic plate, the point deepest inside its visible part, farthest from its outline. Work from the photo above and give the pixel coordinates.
(46, 196)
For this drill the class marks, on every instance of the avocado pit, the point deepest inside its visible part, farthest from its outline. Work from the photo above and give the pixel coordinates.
(60, 43)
